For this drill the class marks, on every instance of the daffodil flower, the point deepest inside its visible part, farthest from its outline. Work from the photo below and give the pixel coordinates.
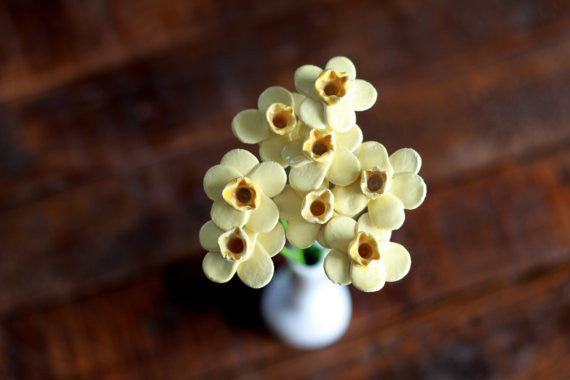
(387, 185)
(333, 94)
(241, 189)
(305, 213)
(362, 255)
(324, 154)
(240, 250)
(274, 124)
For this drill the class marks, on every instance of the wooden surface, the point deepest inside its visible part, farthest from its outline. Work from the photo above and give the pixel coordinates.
(111, 112)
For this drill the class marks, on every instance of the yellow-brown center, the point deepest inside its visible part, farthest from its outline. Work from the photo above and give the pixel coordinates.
(318, 206)
(374, 182)
(363, 249)
(320, 146)
(242, 194)
(280, 118)
(234, 244)
(332, 86)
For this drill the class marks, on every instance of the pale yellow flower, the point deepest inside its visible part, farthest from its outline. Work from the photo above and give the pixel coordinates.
(305, 213)
(241, 189)
(333, 94)
(387, 185)
(362, 255)
(274, 124)
(324, 155)
(240, 250)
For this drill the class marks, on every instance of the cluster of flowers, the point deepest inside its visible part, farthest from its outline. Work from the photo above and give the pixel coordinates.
(342, 193)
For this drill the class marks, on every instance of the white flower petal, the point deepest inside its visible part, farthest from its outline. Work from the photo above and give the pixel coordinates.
(264, 217)
(209, 234)
(305, 78)
(321, 238)
(275, 94)
(311, 113)
(362, 95)
(339, 232)
(289, 204)
(406, 160)
(257, 270)
(216, 178)
(396, 260)
(297, 100)
(344, 168)
(292, 153)
(343, 65)
(249, 126)
(241, 160)
(366, 225)
(337, 267)
(349, 200)
(373, 154)
(270, 149)
(409, 188)
(370, 278)
(272, 241)
(226, 217)
(386, 212)
(341, 116)
(270, 176)
(309, 176)
(302, 234)
(218, 269)
(350, 139)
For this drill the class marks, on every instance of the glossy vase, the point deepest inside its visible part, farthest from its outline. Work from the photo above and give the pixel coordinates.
(304, 308)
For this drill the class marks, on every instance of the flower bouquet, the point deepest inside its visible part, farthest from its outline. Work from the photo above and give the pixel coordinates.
(317, 185)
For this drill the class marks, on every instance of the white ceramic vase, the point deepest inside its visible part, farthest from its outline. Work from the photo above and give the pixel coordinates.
(304, 308)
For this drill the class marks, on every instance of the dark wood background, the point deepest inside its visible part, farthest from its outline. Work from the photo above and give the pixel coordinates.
(111, 112)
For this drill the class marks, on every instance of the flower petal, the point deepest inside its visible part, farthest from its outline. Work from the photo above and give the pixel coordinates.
(289, 203)
(209, 234)
(218, 269)
(311, 113)
(350, 139)
(409, 188)
(297, 100)
(337, 267)
(362, 95)
(396, 260)
(272, 241)
(270, 149)
(302, 234)
(292, 153)
(216, 178)
(366, 225)
(406, 160)
(386, 212)
(305, 78)
(270, 176)
(257, 270)
(341, 116)
(349, 200)
(321, 238)
(343, 65)
(339, 232)
(249, 126)
(344, 168)
(373, 154)
(227, 217)
(241, 160)
(309, 176)
(264, 217)
(274, 94)
(370, 278)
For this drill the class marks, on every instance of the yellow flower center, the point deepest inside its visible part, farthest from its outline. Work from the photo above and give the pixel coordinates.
(234, 244)
(318, 206)
(364, 249)
(242, 194)
(332, 86)
(320, 146)
(280, 118)
(374, 182)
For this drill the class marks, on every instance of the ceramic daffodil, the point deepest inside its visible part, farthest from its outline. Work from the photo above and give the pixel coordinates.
(362, 255)
(241, 189)
(387, 185)
(240, 250)
(333, 94)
